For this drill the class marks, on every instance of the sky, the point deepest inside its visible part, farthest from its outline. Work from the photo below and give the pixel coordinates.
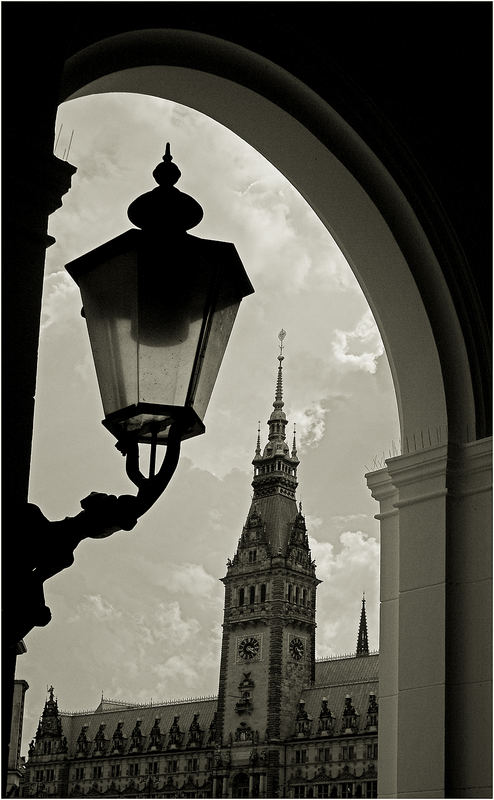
(138, 616)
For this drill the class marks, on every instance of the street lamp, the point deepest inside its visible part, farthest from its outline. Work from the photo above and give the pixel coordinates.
(159, 305)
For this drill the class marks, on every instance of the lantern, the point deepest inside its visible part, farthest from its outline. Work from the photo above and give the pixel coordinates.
(159, 305)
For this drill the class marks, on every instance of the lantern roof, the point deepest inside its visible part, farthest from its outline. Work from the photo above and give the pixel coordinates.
(165, 209)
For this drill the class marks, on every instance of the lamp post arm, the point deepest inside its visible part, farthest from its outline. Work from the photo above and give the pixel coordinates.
(151, 488)
(47, 547)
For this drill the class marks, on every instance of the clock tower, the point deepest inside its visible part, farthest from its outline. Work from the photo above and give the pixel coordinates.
(268, 648)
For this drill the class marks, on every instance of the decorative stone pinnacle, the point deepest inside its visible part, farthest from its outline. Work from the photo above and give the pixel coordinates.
(258, 447)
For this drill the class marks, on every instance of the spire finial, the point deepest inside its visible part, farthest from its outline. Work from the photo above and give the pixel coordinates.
(294, 446)
(278, 401)
(281, 336)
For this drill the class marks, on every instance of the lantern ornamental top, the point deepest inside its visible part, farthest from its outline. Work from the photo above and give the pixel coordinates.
(165, 209)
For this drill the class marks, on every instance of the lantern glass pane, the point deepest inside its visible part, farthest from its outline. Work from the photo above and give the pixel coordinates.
(221, 328)
(109, 296)
(173, 295)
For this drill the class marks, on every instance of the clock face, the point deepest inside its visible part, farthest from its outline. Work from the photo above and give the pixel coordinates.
(296, 648)
(248, 648)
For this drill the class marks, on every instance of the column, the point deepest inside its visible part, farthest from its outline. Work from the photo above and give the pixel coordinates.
(420, 478)
(469, 621)
(386, 494)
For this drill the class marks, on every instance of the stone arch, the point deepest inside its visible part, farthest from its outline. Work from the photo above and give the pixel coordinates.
(381, 239)
(440, 488)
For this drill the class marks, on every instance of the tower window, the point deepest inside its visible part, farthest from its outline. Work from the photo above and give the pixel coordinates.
(304, 597)
(241, 596)
(252, 556)
(252, 595)
(296, 594)
(263, 592)
(289, 592)
(46, 747)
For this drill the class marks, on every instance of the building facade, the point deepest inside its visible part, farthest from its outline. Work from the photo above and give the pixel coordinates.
(282, 724)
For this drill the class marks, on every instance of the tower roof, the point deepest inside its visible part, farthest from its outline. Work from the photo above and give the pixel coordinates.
(275, 480)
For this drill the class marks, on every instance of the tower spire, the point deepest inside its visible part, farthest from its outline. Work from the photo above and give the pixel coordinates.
(362, 640)
(275, 470)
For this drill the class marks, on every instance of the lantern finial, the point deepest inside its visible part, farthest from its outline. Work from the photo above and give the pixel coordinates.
(166, 173)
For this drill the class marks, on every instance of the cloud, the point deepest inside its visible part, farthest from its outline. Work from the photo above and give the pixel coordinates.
(346, 519)
(364, 335)
(61, 300)
(98, 607)
(177, 668)
(170, 625)
(311, 424)
(346, 573)
(191, 579)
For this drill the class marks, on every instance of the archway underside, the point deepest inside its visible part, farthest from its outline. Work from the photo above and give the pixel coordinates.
(424, 364)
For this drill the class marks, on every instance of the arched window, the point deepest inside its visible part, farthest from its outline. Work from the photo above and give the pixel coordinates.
(252, 595)
(263, 592)
(240, 785)
(241, 596)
